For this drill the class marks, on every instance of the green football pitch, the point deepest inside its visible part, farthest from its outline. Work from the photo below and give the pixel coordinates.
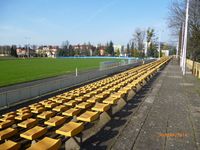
(14, 71)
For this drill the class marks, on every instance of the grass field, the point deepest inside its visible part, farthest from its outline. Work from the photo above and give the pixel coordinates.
(22, 70)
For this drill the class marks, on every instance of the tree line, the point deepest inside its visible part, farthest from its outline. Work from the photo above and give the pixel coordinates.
(176, 21)
(85, 49)
(144, 43)
(8, 50)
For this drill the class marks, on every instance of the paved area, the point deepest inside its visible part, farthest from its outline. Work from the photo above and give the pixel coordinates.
(164, 115)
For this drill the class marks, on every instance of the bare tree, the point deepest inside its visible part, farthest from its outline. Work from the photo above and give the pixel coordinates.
(176, 15)
(138, 37)
(176, 19)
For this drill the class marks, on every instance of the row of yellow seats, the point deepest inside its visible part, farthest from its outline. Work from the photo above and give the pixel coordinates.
(54, 118)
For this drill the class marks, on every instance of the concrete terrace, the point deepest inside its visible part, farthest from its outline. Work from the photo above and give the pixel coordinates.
(165, 114)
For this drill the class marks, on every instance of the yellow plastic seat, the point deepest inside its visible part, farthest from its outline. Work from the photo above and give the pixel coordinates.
(110, 100)
(60, 108)
(23, 116)
(28, 123)
(53, 98)
(10, 117)
(23, 111)
(71, 112)
(93, 100)
(6, 124)
(70, 129)
(122, 84)
(90, 94)
(118, 94)
(44, 101)
(34, 133)
(130, 86)
(6, 133)
(109, 91)
(114, 89)
(46, 115)
(108, 86)
(96, 91)
(61, 100)
(102, 88)
(50, 105)
(9, 145)
(38, 110)
(9, 114)
(123, 91)
(60, 95)
(85, 90)
(78, 94)
(69, 97)
(71, 103)
(83, 105)
(55, 121)
(46, 144)
(100, 107)
(88, 116)
(81, 98)
(37, 107)
(34, 106)
(102, 95)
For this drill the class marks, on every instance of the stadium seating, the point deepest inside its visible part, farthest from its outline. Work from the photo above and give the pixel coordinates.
(70, 113)
(46, 144)
(10, 145)
(34, 133)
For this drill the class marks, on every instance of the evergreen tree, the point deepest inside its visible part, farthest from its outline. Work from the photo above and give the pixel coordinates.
(117, 53)
(132, 49)
(13, 51)
(110, 49)
(128, 50)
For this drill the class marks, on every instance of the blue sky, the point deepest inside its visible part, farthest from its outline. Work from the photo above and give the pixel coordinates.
(79, 21)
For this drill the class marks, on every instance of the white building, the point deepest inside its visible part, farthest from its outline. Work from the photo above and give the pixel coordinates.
(48, 51)
(165, 52)
(119, 48)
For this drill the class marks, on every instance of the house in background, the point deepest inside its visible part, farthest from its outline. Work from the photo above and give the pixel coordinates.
(21, 52)
(47, 51)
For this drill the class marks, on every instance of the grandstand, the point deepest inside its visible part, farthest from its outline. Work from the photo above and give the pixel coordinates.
(68, 119)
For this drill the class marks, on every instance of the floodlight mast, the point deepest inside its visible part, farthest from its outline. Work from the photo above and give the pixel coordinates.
(185, 38)
(177, 47)
(182, 42)
(159, 44)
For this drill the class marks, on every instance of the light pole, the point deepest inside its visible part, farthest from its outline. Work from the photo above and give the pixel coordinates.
(185, 38)
(182, 42)
(27, 48)
(177, 47)
(146, 44)
(159, 45)
(146, 48)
